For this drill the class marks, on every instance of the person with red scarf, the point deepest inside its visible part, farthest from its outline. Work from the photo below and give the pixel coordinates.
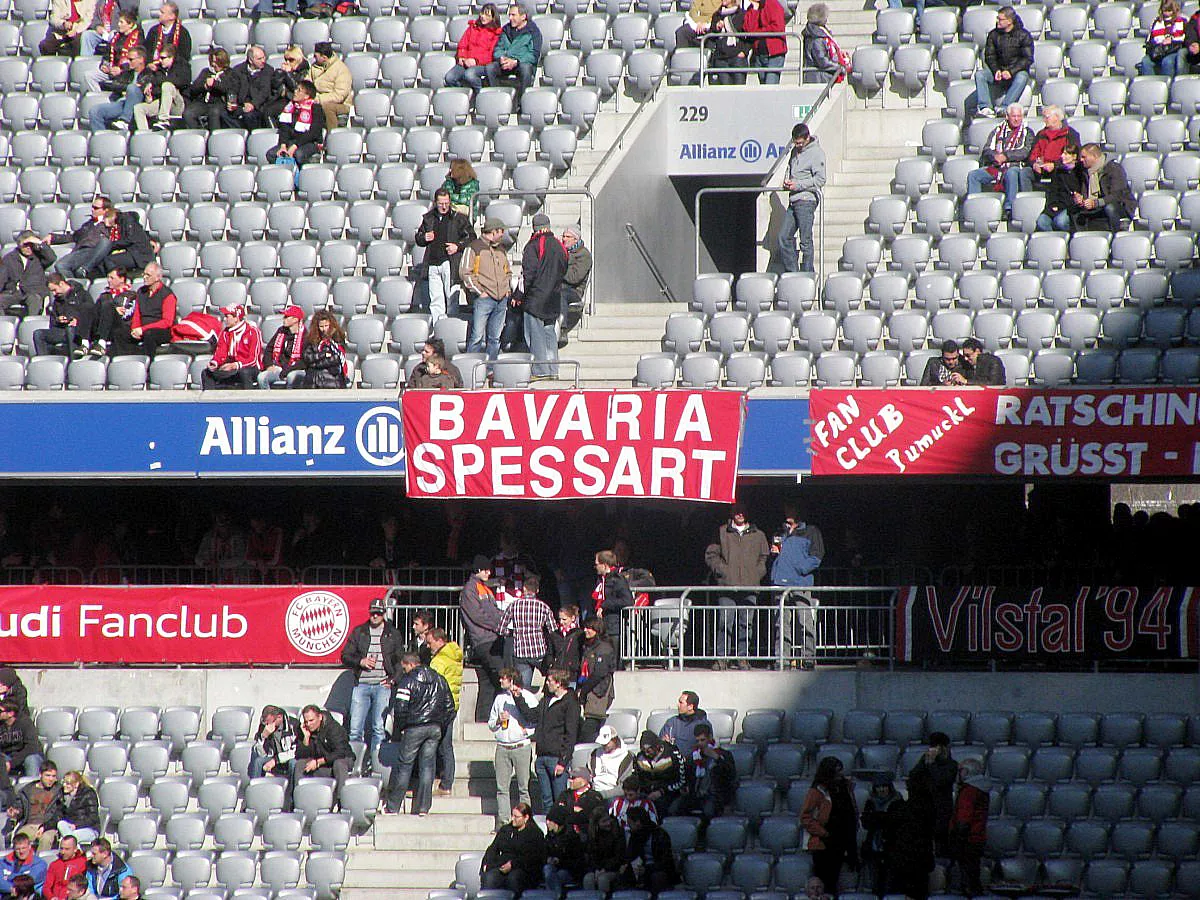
(126, 38)
(476, 49)
(769, 52)
(1002, 164)
(325, 364)
(283, 355)
(301, 127)
(104, 24)
(1166, 44)
(169, 30)
(611, 594)
(234, 364)
(1048, 144)
(69, 19)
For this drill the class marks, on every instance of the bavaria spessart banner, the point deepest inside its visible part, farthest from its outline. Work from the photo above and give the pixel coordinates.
(239, 626)
(1015, 432)
(557, 445)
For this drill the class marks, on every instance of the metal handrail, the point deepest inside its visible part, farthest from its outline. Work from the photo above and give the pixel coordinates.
(639, 245)
(786, 35)
(492, 363)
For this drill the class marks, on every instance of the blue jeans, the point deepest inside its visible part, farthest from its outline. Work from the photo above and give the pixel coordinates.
(418, 749)
(797, 219)
(441, 300)
(1058, 222)
(733, 632)
(102, 116)
(472, 77)
(368, 704)
(90, 42)
(267, 378)
(543, 344)
(282, 770)
(80, 262)
(551, 785)
(1016, 178)
(487, 324)
(986, 85)
(771, 62)
(446, 754)
(496, 75)
(1171, 64)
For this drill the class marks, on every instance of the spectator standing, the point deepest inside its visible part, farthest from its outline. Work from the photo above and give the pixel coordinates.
(985, 368)
(680, 728)
(711, 778)
(325, 364)
(19, 745)
(517, 854)
(130, 247)
(222, 549)
(611, 594)
(235, 361)
(968, 826)
(1008, 60)
(72, 312)
(106, 870)
(447, 661)
(727, 48)
(443, 233)
(517, 52)
(209, 95)
(21, 860)
(283, 355)
(23, 284)
(910, 857)
(90, 240)
(153, 315)
(767, 17)
(76, 812)
(579, 270)
(1002, 163)
(323, 750)
(1106, 197)
(68, 21)
(512, 721)
(169, 30)
(33, 802)
(650, 861)
(255, 80)
(595, 687)
(556, 736)
(462, 184)
(941, 770)
(274, 749)
(659, 768)
(481, 618)
(527, 621)
(423, 622)
(511, 566)
(824, 60)
(163, 93)
(264, 547)
(946, 369)
(1048, 144)
(301, 127)
(830, 819)
(543, 265)
(738, 559)
(372, 653)
(70, 861)
(131, 888)
(799, 552)
(487, 278)
(1064, 181)
(476, 49)
(804, 182)
(879, 822)
(565, 860)
(1167, 42)
(566, 643)
(610, 763)
(422, 706)
(114, 311)
(335, 86)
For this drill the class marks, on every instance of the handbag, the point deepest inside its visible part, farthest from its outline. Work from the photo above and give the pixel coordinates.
(288, 161)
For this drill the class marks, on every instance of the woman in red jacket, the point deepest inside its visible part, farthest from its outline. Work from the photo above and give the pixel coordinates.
(769, 52)
(475, 50)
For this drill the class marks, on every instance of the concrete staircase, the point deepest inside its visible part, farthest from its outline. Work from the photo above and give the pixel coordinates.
(851, 21)
(610, 340)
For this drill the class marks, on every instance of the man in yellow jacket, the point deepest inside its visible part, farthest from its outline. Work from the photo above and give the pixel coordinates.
(447, 661)
(331, 77)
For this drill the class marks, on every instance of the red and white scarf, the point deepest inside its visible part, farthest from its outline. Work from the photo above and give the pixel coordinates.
(105, 13)
(277, 348)
(1004, 139)
(298, 114)
(74, 15)
(333, 347)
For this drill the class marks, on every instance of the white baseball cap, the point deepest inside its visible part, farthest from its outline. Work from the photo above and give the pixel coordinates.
(606, 734)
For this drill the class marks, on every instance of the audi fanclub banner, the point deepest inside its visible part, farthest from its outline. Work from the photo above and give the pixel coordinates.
(1046, 624)
(558, 445)
(225, 626)
(1022, 432)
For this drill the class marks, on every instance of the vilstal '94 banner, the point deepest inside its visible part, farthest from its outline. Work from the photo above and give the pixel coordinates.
(1022, 432)
(556, 445)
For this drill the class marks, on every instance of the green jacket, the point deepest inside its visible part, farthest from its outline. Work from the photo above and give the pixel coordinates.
(461, 194)
(524, 45)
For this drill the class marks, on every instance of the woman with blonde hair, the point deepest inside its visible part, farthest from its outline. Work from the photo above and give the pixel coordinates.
(76, 811)
(1165, 45)
(462, 185)
(325, 364)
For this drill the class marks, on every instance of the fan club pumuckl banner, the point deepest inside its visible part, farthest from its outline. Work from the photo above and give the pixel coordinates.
(1020, 432)
(1043, 624)
(558, 445)
(220, 626)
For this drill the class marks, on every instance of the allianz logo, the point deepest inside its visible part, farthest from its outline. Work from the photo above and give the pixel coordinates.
(748, 151)
(377, 437)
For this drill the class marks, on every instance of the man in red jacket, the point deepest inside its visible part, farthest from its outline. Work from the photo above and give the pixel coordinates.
(70, 862)
(968, 826)
(153, 315)
(236, 360)
(769, 52)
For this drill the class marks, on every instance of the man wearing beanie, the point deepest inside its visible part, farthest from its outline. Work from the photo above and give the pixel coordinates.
(487, 277)
(283, 355)
(543, 265)
(333, 82)
(580, 800)
(481, 618)
(565, 862)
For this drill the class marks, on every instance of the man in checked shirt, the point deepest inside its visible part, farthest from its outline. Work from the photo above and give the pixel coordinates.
(528, 620)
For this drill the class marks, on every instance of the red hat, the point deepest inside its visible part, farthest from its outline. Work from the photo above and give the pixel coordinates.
(237, 311)
(294, 312)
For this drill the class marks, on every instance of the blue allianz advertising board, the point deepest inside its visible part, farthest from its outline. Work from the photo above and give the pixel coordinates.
(193, 435)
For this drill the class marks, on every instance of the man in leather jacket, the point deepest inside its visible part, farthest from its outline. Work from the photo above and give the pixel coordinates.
(422, 706)
(323, 749)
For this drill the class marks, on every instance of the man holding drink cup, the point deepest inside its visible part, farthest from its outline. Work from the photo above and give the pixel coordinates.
(511, 720)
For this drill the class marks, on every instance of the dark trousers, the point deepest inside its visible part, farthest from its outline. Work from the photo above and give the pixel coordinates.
(109, 323)
(723, 63)
(244, 379)
(827, 865)
(124, 343)
(488, 661)
(516, 880)
(967, 859)
(418, 749)
(57, 43)
(445, 762)
(26, 302)
(118, 259)
(588, 729)
(60, 339)
(304, 153)
(339, 771)
(199, 114)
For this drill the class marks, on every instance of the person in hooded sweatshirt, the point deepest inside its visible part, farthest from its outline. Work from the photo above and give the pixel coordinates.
(799, 551)
(804, 182)
(609, 763)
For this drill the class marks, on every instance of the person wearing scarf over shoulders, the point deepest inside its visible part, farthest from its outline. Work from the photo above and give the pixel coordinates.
(301, 127)
(239, 350)
(124, 39)
(283, 361)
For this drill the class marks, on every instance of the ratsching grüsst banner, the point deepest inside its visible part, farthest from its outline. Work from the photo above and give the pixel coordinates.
(219, 626)
(559, 445)
(1013, 432)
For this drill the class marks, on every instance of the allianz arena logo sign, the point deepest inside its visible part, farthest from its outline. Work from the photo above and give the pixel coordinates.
(748, 152)
(375, 438)
(317, 622)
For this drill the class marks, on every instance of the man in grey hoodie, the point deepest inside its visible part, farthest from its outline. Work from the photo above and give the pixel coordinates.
(805, 180)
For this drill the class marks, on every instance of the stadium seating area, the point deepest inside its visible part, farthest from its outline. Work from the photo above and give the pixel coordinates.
(184, 813)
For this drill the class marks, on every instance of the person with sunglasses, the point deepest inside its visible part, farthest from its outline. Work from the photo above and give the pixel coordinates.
(91, 240)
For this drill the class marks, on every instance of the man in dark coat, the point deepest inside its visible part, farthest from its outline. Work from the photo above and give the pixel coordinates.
(90, 240)
(1106, 197)
(543, 265)
(421, 709)
(323, 750)
(946, 370)
(1008, 61)
(72, 311)
(255, 81)
(23, 285)
(444, 233)
(985, 368)
(373, 653)
(942, 772)
(131, 248)
(481, 619)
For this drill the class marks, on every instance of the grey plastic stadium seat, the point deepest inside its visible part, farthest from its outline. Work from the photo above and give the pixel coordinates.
(894, 27)
(880, 368)
(836, 369)
(791, 369)
(1052, 368)
(702, 370)
(913, 177)
(886, 216)
(869, 69)
(940, 139)
(816, 332)
(861, 254)
(861, 332)
(1096, 366)
(645, 70)
(711, 293)
(755, 292)
(888, 292)
(771, 333)
(911, 66)
(656, 370)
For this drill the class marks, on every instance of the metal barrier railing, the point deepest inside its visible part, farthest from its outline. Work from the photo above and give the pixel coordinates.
(490, 366)
(789, 37)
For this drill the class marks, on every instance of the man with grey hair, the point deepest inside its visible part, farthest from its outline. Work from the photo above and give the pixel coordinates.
(579, 270)
(254, 83)
(1002, 163)
(968, 826)
(822, 56)
(804, 182)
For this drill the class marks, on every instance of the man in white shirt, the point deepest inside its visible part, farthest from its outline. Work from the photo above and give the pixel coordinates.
(511, 721)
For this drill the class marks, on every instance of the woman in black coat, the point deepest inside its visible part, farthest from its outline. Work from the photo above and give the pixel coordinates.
(325, 353)
(76, 811)
(515, 859)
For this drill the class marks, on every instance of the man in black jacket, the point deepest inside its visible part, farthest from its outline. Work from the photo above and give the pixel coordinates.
(711, 778)
(209, 95)
(945, 370)
(168, 31)
(444, 233)
(556, 736)
(72, 312)
(163, 95)
(612, 594)
(19, 746)
(127, 90)
(323, 750)
(114, 310)
(373, 653)
(130, 248)
(255, 81)
(1008, 61)
(90, 240)
(481, 618)
(301, 127)
(985, 368)
(422, 706)
(543, 265)
(23, 286)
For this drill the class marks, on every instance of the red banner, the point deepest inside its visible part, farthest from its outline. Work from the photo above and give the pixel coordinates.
(559, 445)
(223, 626)
(1021, 432)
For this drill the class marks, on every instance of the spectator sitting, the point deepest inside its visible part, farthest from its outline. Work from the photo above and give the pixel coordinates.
(565, 861)
(697, 22)
(301, 129)
(1049, 143)
(323, 750)
(283, 355)
(77, 810)
(1189, 56)
(72, 312)
(106, 870)
(99, 35)
(11, 686)
(169, 30)
(274, 750)
(660, 770)
(649, 860)
(24, 888)
(434, 376)
(28, 809)
(487, 278)
(462, 185)
(604, 851)
(131, 888)
(127, 38)
(1008, 59)
(680, 728)
(222, 548)
(1167, 42)
(580, 799)
(127, 90)
(334, 86)
(517, 854)
(129, 248)
(610, 763)
(209, 96)
(434, 347)
(475, 50)
(1105, 197)
(239, 351)
(518, 51)
(114, 310)
(90, 240)
(23, 284)
(21, 860)
(163, 94)
(153, 315)
(292, 71)
(711, 778)
(255, 79)
(68, 20)
(823, 58)
(730, 52)
(631, 797)
(20, 749)
(945, 370)
(769, 51)
(270, 8)
(77, 887)
(574, 283)
(325, 363)
(983, 367)
(1002, 162)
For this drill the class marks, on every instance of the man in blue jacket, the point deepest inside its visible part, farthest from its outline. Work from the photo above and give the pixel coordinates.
(21, 860)
(798, 552)
(106, 870)
(518, 50)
